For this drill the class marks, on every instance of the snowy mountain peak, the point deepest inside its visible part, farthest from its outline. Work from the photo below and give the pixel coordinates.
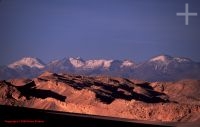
(161, 58)
(28, 61)
(167, 59)
(77, 62)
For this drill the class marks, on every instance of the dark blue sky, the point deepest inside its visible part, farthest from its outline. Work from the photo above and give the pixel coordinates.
(111, 29)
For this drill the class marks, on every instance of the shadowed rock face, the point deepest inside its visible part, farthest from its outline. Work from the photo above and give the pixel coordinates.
(29, 90)
(107, 96)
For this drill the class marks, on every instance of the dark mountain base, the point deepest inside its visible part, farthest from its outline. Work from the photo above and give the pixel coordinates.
(20, 116)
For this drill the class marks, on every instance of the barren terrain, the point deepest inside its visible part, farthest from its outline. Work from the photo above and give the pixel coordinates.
(106, 96)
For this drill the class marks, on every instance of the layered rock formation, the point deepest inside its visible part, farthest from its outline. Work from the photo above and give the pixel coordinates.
(106, 96)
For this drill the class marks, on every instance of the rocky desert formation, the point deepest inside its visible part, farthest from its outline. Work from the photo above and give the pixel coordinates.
(106, 96)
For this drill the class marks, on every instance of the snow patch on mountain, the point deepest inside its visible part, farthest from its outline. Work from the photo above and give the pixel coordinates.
(181, 60)
(93, 64)
(127, 63)
(77, 62)
(107, 63)
(97, 63)
(161, 58)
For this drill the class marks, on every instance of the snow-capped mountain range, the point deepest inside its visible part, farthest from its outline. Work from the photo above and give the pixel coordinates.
(159, 68)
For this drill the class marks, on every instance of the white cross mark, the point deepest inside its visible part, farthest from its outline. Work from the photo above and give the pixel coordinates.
(186, 14)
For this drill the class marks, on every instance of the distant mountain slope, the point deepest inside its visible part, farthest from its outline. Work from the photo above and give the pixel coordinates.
(167, 68)
(23, 68)
(29, 62)
(158, 68)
